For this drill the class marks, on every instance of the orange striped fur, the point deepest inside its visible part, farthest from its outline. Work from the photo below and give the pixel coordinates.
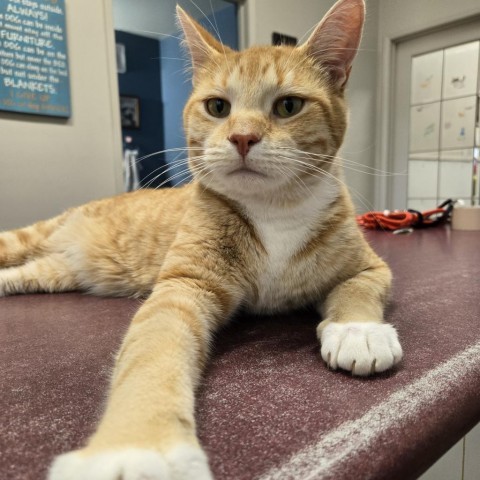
(268, 231)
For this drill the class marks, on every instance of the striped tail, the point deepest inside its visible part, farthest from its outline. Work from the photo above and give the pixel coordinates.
(19, 246)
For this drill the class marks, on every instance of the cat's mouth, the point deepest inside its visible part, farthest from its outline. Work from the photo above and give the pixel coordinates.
(246, 171)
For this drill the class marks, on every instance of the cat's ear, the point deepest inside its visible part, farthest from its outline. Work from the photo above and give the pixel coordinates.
(335, 40)
(201, 44)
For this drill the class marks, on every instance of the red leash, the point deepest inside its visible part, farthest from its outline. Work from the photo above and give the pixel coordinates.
(406, 218)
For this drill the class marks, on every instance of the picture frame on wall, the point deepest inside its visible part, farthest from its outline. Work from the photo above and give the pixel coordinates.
(130, 111)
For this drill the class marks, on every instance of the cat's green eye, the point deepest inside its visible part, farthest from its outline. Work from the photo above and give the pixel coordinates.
(218, 107)
(288, 106)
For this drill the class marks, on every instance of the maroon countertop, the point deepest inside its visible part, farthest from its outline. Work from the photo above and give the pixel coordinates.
(269, 408)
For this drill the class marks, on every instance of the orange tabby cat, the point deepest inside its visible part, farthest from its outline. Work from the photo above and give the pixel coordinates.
(264, 226)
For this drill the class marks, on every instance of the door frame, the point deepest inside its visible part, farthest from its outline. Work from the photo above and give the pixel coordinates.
(387, 58)
(406, 50)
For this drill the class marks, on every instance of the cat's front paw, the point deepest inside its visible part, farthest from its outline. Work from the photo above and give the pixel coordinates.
(363, 348)
(183, 462)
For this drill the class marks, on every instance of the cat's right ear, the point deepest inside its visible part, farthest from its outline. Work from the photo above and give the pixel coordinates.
(200, 43)
(335, 40)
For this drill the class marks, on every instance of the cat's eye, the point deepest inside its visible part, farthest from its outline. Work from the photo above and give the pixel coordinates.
(288, 106)
(217, 107)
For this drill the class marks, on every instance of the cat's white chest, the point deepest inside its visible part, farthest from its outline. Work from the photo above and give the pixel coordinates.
(281, 241)
(283, 235)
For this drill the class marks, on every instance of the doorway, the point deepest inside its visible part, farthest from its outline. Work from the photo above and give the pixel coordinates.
(435, 118)
(154, 84)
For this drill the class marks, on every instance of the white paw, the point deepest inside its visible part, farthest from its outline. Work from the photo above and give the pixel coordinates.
(362, 348)
(181, 463)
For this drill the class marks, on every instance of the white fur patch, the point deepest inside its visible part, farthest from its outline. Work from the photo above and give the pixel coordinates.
(360, 347)
(283, 233)
(181, 463)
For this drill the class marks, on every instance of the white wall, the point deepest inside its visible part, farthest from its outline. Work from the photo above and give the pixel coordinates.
(298, 19)
(398, 20)
(284, 16)
(48, 165)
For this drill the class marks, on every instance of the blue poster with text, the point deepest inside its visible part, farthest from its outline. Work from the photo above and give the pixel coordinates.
(33, 57)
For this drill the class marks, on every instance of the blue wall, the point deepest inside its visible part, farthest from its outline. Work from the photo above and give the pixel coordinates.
(142, 79)
(176, 85)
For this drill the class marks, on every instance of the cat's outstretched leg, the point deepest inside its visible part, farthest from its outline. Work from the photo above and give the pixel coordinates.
(353, 336)
(19, 246)
(44, 274)
(148, 428)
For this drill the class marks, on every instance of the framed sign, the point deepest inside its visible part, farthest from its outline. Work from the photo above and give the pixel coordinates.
(34, 74)
(130, 111)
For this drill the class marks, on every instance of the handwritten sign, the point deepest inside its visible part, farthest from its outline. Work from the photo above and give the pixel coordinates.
(33, 57)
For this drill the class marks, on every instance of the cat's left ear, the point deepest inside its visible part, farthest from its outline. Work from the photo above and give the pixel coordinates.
(335, 40)
(201, 44)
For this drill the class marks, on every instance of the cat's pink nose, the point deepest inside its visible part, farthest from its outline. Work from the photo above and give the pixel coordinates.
(244, 142)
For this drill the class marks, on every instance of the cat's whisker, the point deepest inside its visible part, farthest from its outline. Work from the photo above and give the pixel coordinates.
(172, 177)
(219, 36)
(164, 169)
(215, 28)
(176, 164)
(365, 203)
(168, 150)
(190, 166)
(201, 172)
(188, 68)
(303, 187)
(287, 166)
(304, 59)
(298, 180)
(158, 33)
(343, 160)
(307, 33)
(317, 197)
(313, 154)
(202, 178)
(340, 49)
(296, 162)
(299, 43)
(188, 71)
(363, 169)
(152, 181)
(348, 167)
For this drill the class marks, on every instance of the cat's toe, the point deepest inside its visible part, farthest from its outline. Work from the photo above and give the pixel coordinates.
(180, 463)
(188, 463)
(363, 348)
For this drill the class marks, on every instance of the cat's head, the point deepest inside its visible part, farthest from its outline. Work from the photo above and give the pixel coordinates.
(266, 120)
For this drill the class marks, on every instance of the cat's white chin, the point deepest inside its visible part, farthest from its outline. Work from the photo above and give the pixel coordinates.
(246, 173)
(241, 184)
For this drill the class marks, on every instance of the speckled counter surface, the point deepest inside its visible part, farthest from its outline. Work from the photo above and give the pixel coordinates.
(268, 408)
